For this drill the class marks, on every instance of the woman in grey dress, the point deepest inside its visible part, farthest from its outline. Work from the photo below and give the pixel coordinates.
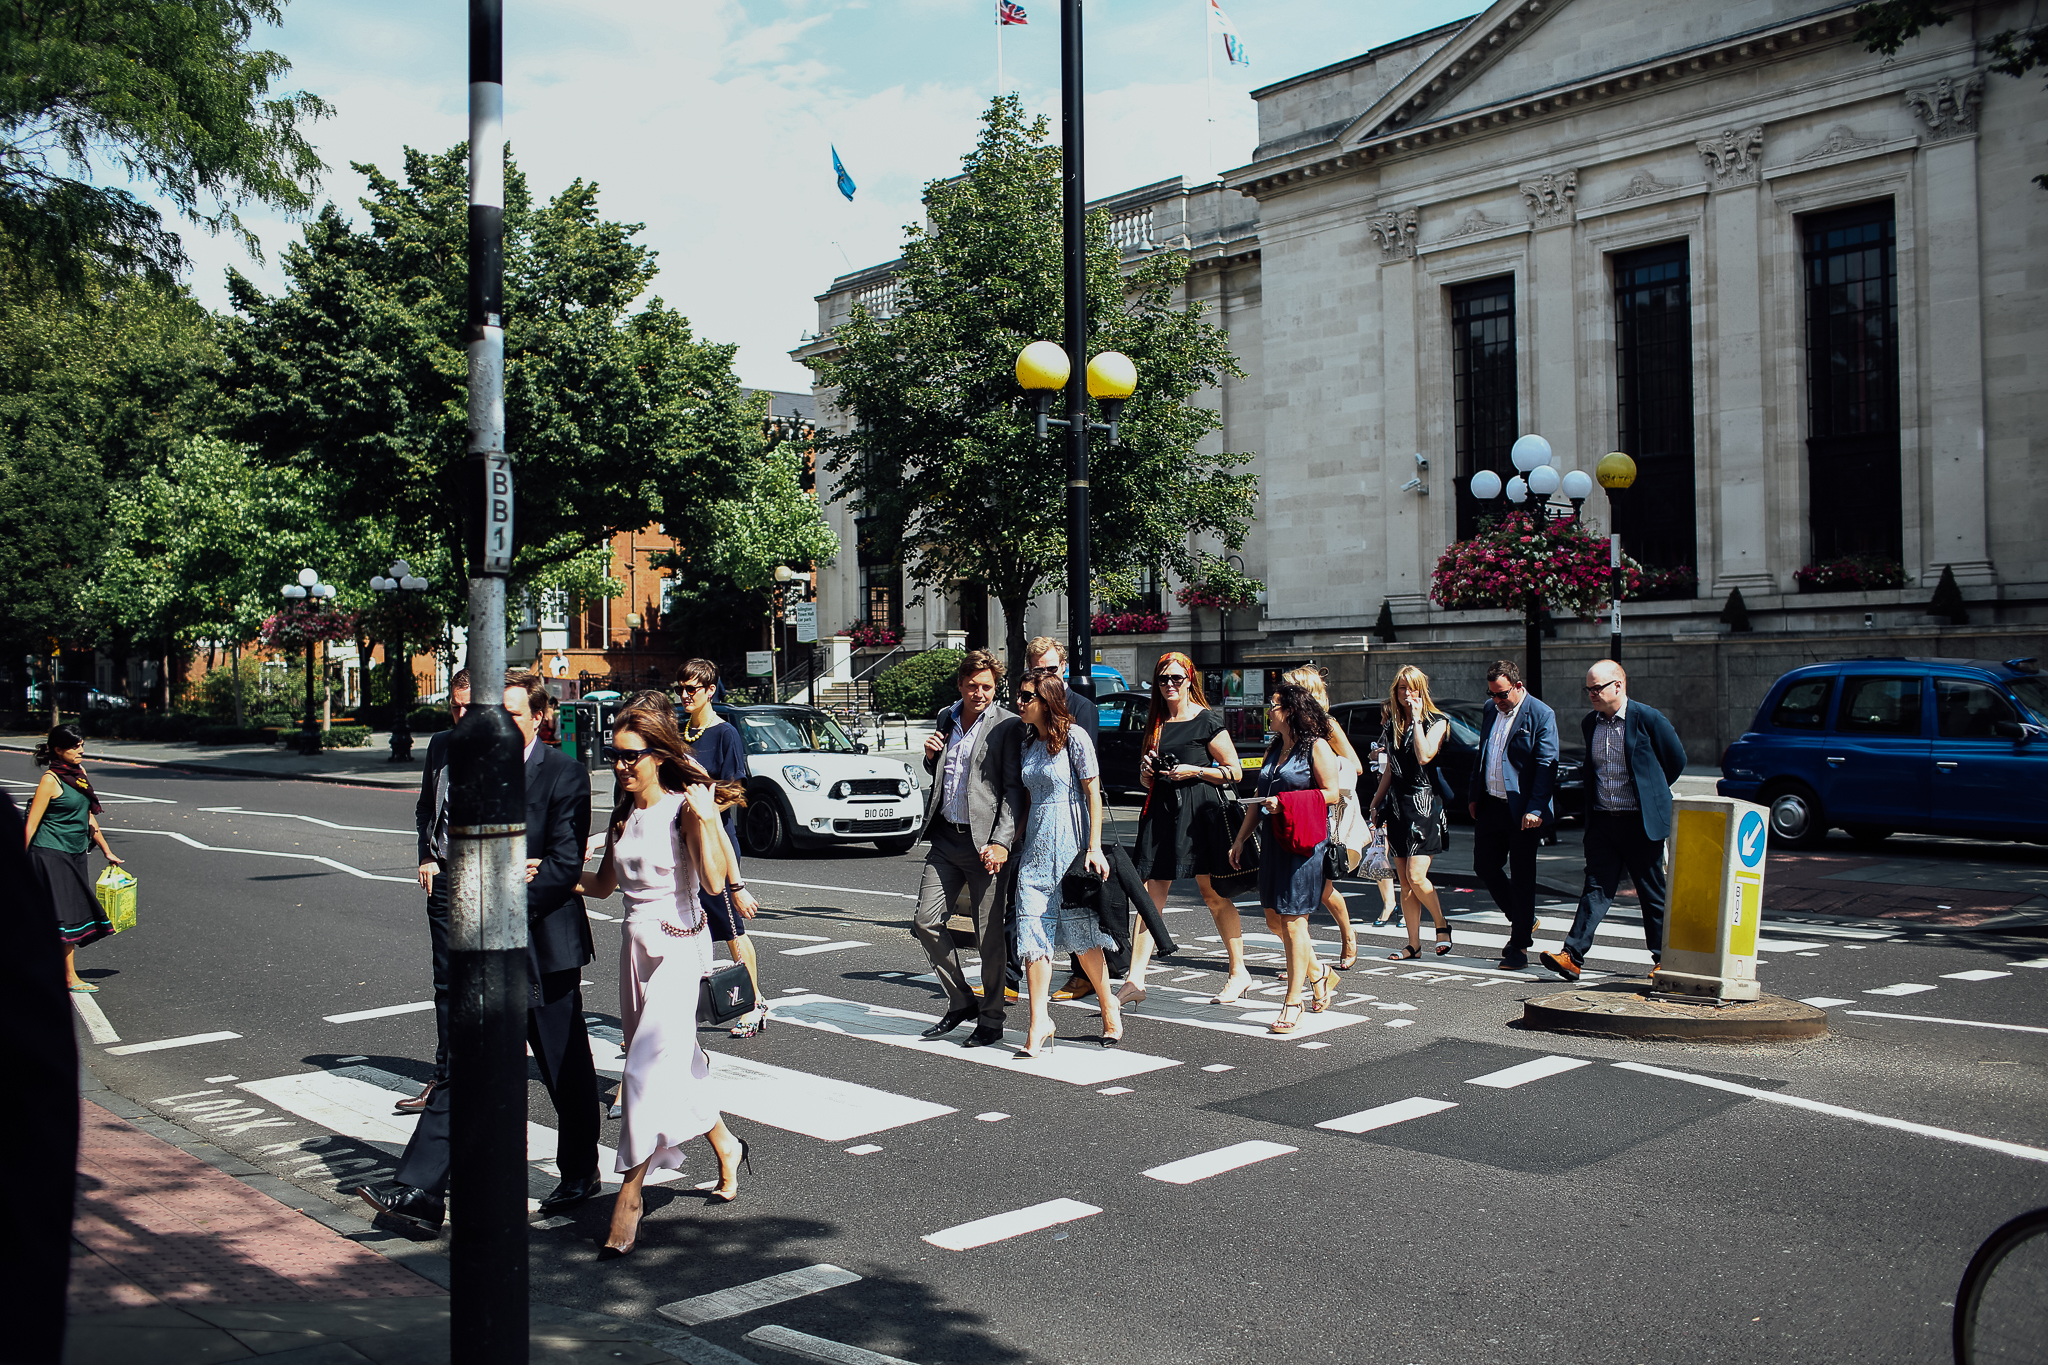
(1291, 885)
(1065, 816)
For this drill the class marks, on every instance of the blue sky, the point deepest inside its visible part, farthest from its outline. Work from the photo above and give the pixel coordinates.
(711, 122)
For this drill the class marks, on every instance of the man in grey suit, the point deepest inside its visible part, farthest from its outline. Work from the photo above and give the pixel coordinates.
(971, 820)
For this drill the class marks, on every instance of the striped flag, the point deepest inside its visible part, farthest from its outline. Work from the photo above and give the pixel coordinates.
(846, 185)
(1010, 12)
(1233, 46)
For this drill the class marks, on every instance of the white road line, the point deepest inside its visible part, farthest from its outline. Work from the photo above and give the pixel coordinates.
(1386, 1115)
(116, 798)
(1825, 1002)
(801, 938)
(838, 947)
(1089, 1066)
(1980, 974)
(1624, 927)
(383, 1013)
(96, 1026)
(1903, 988)
(160, 1044)
(822, 1107)
(1935, 1019)
(850, 890)
(1003, 1226)
(309, 819)
(1246, 1018)
(765, 1293)
(1510, 1077)
(803, 1344)
(1467, 939)
(2020, 1150)
(2037, 962)
(337, 865)
(1189, 1169)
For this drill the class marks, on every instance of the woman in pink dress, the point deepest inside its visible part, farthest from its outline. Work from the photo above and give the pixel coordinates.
(665, 849)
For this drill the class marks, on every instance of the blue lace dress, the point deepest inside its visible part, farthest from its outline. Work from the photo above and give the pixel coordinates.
(1055, 830)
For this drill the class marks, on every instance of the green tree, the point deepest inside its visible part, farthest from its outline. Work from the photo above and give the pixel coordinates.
(942, 454)
(166, 91)
(1888, 25)
(354, 379)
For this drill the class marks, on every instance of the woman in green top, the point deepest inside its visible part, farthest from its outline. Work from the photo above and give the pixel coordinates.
(63, 821)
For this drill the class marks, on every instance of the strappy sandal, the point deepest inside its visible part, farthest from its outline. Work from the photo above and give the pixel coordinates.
(1281, 1024)
(1407, 954)
(1443, 939)
(1324, 987)
(1349, 958)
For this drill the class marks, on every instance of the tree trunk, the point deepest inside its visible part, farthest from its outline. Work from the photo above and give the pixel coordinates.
(1013, 636)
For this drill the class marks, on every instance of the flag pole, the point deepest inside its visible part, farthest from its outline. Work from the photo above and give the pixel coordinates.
(999, 49)
(1209, 123)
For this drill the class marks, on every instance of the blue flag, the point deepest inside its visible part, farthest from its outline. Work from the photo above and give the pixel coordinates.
(846, 185)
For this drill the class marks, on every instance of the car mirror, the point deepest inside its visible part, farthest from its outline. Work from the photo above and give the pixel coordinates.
(2012, 729)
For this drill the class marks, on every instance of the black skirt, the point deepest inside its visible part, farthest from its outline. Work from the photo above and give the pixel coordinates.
(63, 878)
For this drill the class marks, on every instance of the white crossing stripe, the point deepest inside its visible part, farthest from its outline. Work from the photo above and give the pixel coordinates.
(1189, 1169)
(1611, 927)
(160, 1044)
(383, 1012)
(334, 863)
(2037, 962)
(1510, 1077)
(1837, 1111)
(1933, 1019)
(1903, 988)
(96, 1026)
(1978, 975)
(1002, 1226)
(1245, 1018)
(854, 890)
(807, 1347)
(1825, 1002)
(824, 948)
(1386, 1115)
(285, 815)
(746, 1298)
(1089, 1066)
(816, 1106)
(800, 938)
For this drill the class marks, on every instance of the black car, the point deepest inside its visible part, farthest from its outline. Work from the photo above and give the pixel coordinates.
(1459, 756)
(1122, 718)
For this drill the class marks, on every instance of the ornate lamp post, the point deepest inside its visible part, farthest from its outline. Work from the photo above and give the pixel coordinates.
(310, 590)
(1538, 478)
(778, 598)
(1615, 471)
(397, 655)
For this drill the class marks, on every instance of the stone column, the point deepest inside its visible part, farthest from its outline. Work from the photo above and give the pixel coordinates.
(1406, 519)
(1956, 531)
(1738, 552)
(1553, 295)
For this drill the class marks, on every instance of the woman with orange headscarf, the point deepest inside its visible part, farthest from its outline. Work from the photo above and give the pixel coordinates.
(1185, 831)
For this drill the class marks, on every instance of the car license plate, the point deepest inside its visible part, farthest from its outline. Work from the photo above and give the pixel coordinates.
(875, 812)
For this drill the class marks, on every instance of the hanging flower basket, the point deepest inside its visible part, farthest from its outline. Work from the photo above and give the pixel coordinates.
(1518, 560)
(1128, 623)
(296, 627)
(1222, 588)
(868, 635)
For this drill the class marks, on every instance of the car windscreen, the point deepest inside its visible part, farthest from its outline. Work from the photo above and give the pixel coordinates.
(771, 734)
(2033, 694)
(825, 734)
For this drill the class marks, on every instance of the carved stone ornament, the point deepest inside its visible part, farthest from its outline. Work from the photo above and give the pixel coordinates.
(1472, 224)
(1641, 184)
(1733, 158)
(1841, 139)
(1395, 230)
(1948, 107)
(1551, 198)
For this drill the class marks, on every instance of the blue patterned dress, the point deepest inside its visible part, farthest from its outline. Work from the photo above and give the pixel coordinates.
(1055, 830)
(1289, 885)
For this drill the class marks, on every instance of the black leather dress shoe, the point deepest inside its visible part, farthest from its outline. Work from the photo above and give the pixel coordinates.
(406, 1203)
(983, 1036)
(1512, 964)
(570, 1193)
(951, 1020)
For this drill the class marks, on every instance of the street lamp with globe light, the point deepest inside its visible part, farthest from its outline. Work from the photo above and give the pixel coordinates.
(1615, 471)
(1534, 483)
(397, 656)
(313, 592)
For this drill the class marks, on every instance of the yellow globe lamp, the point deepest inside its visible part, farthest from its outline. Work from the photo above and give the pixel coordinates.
(1615, 470)
(1043, 367)
(1112, 375)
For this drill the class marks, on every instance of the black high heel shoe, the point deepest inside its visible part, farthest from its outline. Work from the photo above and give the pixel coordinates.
(746, 1160)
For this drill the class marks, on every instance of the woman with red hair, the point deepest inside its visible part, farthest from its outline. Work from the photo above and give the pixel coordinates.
(1184, 830)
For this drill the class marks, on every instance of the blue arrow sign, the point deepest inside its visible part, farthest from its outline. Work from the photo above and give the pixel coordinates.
(1749, 838)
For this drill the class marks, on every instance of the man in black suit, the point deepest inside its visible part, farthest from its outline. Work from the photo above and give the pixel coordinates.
(558, 945)
(430, 819)
(1633, 756)
(1509, 797)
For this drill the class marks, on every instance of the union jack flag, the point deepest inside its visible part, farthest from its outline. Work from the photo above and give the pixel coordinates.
(1010, 12)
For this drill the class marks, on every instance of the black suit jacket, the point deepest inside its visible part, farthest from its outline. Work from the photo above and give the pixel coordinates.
(1656, 757)
(557, 828)
(1529, 767)
(1082, 708)
(431, 795)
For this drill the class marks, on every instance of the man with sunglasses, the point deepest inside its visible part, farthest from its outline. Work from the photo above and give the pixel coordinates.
(1635, 756)
(430, 819)
(1509, 798)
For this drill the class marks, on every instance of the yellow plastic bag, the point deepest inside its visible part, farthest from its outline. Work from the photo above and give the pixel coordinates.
(116, 890)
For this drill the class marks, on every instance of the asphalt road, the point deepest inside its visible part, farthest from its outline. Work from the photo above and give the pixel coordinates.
(1590, 1212)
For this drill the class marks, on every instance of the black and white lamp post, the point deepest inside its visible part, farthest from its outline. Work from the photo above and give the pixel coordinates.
(310, 590)
(1532, 487)
(397, 655)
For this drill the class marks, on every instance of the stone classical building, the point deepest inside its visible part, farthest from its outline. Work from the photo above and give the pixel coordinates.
(1802, 285)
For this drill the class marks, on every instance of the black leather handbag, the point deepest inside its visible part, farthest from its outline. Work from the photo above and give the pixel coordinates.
(725, 995)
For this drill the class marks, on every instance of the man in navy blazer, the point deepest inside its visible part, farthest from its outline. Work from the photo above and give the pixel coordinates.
(1633, 755)
(1509, 797)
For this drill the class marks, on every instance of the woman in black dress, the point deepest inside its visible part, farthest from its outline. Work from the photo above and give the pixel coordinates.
(1408, 803)
(63, 823)
(1184, 830)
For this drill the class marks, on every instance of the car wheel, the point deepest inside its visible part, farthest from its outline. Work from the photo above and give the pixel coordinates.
(1869, 836)
(1797, 820)
(896, 846)
(767, 827)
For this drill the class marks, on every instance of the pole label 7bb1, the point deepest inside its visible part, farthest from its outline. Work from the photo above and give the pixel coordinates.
(497, 514)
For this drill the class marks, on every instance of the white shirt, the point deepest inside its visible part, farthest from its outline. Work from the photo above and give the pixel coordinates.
(953, 772)
(1497, 750)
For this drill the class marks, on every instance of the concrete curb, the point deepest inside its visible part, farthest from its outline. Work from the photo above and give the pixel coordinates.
(1623, 1009)
(226, 770)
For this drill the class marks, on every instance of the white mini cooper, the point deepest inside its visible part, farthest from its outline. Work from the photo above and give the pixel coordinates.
(810, 785)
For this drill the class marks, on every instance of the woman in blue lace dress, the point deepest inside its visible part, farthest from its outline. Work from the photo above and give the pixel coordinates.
(1065, 816)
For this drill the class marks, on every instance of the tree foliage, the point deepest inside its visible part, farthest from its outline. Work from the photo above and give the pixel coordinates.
(1885, 26)
(943, 458)
(354, 380)
(167, 92)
